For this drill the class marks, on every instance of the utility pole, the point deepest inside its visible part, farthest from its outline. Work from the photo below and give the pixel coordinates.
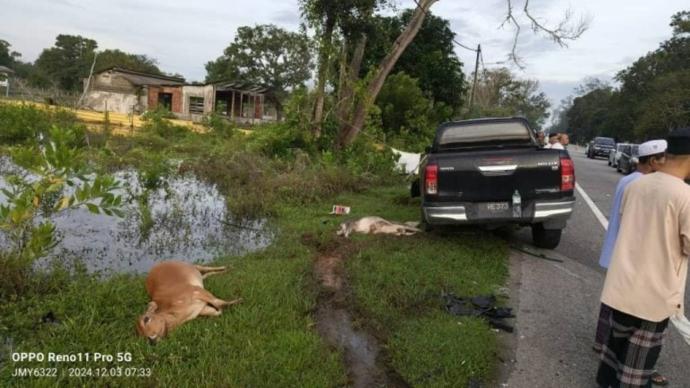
(476, 71)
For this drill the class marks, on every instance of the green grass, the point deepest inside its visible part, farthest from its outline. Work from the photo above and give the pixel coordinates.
(265, 341)
(397, 285)
(270, 340)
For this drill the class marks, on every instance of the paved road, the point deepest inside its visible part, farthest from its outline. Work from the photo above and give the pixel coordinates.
(557, 303)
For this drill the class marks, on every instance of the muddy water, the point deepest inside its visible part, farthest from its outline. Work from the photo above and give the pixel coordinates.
(334, 323)
(190, 222)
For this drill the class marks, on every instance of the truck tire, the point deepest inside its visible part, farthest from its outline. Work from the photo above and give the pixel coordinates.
(414, 189)
(545, 238)
(423, 225)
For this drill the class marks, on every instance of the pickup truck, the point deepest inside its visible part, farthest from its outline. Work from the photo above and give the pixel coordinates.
(493, 172)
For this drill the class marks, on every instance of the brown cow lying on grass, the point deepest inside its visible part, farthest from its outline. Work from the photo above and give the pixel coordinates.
(177, 296)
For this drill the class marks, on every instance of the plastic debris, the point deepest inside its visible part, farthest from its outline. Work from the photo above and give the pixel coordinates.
(340, 210)
(483, 306)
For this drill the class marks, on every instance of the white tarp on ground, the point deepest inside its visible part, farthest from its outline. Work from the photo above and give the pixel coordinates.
(408, 161)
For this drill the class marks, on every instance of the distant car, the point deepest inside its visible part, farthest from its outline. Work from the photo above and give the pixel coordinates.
(628, 161)
(615, 154)
(600, 146)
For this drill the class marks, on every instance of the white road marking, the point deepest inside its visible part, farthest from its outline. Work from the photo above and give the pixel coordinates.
(597, 213)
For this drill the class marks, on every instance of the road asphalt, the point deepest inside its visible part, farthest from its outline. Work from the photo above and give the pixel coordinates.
(557, 303)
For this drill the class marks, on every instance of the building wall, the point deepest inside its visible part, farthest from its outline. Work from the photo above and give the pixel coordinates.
(204, 91)
(176, 92)
(112, 101)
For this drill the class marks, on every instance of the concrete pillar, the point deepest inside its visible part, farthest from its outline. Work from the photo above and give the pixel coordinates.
(232, 107)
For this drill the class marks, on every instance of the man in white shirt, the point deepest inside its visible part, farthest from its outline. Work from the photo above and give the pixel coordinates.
(645, 283)
(555, 141)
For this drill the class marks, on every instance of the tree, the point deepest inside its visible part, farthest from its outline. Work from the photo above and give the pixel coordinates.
(666, 107)
(430, 58)
(652, 97)
(69, 62)
(137, 62)
(500, 93)
(405, 111)
(353, 123)
(265, 55)
(7, 58)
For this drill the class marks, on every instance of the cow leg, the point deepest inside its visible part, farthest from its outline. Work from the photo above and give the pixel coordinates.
(209, 298)
(207, 271)
(210, 311)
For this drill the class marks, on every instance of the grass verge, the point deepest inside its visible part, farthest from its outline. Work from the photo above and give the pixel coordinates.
(269, 339)
(397, 285)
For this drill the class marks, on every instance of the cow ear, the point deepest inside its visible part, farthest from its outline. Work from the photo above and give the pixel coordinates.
(153, 306)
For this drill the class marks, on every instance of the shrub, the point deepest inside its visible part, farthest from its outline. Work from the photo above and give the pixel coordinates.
(26, 201)
(24, 123)
(156, 122)
(218, 125)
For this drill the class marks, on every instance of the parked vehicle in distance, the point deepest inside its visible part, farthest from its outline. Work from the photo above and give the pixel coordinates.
(492, 172)
(600, 146)
(628, 160)
(615, 154)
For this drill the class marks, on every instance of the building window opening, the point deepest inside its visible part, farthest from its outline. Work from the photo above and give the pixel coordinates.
(165, 100)
(196, 105)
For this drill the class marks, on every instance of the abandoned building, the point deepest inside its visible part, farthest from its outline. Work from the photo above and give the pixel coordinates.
(125, 91)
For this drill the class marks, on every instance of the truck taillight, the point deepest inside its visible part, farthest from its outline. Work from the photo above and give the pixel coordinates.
(431, 179)
(567, 174)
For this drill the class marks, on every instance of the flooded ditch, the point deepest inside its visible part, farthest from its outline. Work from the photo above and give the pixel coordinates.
(182, 218)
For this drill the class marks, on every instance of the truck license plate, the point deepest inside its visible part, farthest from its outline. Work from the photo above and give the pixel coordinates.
(497, 207)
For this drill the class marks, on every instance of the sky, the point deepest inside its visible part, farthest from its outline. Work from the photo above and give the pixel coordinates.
(183, 35)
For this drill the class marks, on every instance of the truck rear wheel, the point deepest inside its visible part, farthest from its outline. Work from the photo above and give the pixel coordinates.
(545, 238)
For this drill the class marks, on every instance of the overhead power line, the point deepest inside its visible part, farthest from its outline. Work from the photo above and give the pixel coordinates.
(454, 40)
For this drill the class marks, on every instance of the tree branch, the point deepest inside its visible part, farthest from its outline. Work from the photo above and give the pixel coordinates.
(564, 31)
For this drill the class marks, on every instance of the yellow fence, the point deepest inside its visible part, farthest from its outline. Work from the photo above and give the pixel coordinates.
(121, 123)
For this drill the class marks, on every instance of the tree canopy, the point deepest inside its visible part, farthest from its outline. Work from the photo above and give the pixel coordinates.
(430, 58)
(265, 55)
(500, 93)
(651, 100)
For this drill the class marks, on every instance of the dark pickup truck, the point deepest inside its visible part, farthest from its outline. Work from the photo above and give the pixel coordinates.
(492, 172)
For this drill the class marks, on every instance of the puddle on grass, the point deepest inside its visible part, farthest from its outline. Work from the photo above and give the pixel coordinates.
(189, 217)
(361, 351)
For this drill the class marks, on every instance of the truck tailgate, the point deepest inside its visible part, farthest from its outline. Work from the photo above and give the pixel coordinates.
(493, 175)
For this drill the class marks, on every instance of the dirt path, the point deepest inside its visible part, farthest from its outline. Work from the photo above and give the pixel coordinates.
(361, 351)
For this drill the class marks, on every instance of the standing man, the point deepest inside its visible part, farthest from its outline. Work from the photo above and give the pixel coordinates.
(564, 140)
(645, 284)
(554, 141)
(541, 140)
(651, 157)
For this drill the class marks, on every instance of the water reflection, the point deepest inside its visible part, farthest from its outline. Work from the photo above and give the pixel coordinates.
(189, 221)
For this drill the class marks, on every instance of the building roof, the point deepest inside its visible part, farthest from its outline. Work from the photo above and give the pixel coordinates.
(240, 86)
(6, 70)
(140, 79)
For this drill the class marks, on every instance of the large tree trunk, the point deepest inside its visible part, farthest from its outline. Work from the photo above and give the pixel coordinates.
(324, 63)
(349, 130)
(348, 80)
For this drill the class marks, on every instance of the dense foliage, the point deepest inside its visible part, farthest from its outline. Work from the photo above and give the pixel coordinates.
(652, 99)
(68, 62)
(500, 93)
(265, 55)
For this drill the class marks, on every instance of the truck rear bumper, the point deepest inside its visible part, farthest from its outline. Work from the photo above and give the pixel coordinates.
(465, 213)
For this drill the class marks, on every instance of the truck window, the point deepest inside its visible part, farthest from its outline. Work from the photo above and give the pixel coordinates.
(484, 132)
